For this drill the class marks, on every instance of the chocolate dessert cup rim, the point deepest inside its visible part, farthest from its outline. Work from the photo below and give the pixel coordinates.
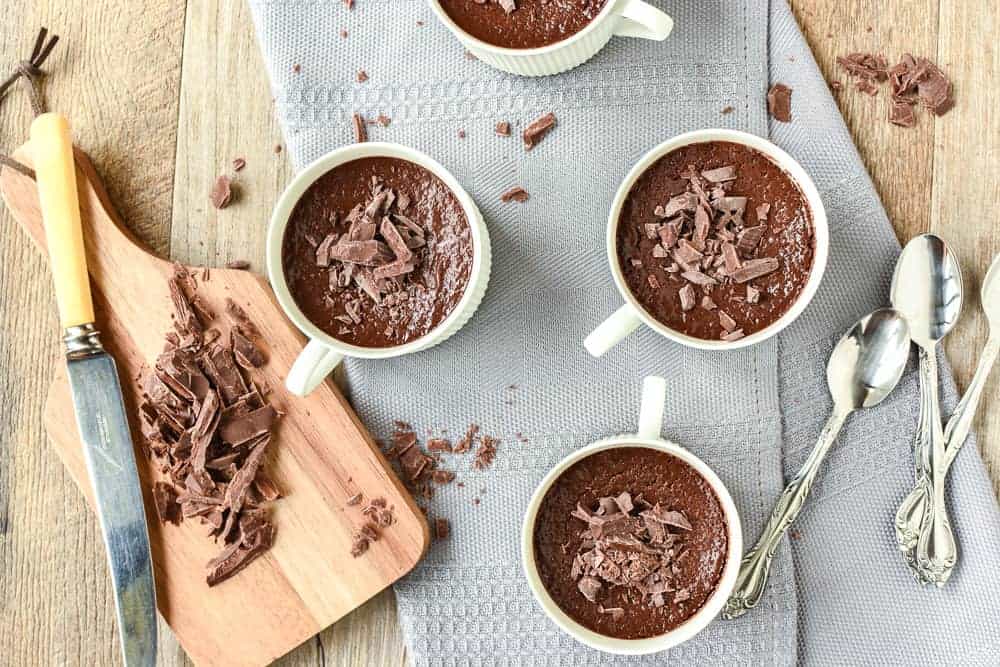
(790, 166)
(326, 163)
(534, 51)
(690, 627)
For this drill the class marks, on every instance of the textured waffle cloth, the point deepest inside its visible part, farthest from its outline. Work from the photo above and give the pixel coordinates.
(839, 593)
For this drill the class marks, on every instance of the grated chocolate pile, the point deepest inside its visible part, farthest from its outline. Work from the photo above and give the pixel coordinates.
(630, 543)
(209, 426)
(705, 241)
(913, 81)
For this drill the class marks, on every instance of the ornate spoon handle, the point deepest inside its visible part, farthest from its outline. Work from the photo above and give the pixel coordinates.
(756, 564)
(911, 511)
(936, 551)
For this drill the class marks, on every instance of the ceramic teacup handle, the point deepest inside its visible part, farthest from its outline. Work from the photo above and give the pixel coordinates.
(654, 393)
(313, 366)
(611, 331)
(640, 19)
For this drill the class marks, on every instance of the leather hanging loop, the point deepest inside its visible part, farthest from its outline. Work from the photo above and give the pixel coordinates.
(30, 71)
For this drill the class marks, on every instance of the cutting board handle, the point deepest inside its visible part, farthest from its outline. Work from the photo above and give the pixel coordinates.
(102, 227)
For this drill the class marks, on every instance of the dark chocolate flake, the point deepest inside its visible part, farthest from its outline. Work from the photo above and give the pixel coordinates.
(222, 192)
(537, 129)
(779, 102)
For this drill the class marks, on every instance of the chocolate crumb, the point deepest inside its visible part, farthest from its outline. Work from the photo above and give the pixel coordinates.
(238, 164)
(727, 110)
(443, 476)
(502, 129)
(516, 193)
(240, 264)
(486, 453)
(359, 545)
(360, 132)
(442, 529)
(779, 102)
(362, 76)
(438, 445)
(537, 129)
(222, 192)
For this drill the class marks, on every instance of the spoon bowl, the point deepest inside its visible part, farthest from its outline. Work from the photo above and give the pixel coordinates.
(990, 293)
(927, 288)
(869, 360)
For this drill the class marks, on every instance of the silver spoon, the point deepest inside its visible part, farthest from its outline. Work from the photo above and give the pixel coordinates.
(927, 291)
(957, 430)
(864, 368)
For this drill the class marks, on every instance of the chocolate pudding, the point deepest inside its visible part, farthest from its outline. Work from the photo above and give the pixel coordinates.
(716, 241)
(377, 252)
(630, 542)
(522, 24)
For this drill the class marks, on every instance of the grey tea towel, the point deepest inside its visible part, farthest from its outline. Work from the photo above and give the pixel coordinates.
(840, 593)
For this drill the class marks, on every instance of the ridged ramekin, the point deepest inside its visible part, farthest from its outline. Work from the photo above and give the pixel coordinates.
(624, 18)
(323, 352)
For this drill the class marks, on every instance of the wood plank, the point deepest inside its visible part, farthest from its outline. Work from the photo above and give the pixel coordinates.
(227, 111)
(55, 596)
(967, 150)
(898, 159)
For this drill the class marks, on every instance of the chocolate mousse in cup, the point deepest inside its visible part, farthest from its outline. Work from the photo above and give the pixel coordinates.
(717, 239)
(374, 251)
(631, 545)
(540, 37)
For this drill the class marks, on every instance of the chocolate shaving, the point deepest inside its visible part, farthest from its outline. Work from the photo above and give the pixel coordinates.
(486, 453)
(516, 193)
(438, 445)
(537, 129)
(165, 500)
(222, 192)
(755, 268)
(627, 543)
(502, 129)
(686, 295)
(779, 102)
(209, 428)
(360, 131)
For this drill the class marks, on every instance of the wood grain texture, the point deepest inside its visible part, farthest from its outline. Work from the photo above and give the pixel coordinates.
(321, 457)
(55, 611)
(117, 74)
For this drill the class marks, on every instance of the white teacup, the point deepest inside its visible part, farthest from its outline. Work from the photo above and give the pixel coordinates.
(628, 318)
(323, 353)
(624, 18)
(650, 423)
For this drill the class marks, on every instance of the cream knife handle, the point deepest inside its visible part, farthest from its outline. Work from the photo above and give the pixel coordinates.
(55, 173)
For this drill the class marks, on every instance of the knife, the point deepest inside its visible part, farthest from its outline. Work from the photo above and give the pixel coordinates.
(97, 395)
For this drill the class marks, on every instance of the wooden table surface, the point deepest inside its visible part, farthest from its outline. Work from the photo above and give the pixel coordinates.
(165, 93)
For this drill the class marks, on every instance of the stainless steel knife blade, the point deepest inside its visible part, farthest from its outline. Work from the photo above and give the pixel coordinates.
(108, 451)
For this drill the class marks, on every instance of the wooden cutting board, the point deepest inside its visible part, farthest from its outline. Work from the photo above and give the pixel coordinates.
(322, 456)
